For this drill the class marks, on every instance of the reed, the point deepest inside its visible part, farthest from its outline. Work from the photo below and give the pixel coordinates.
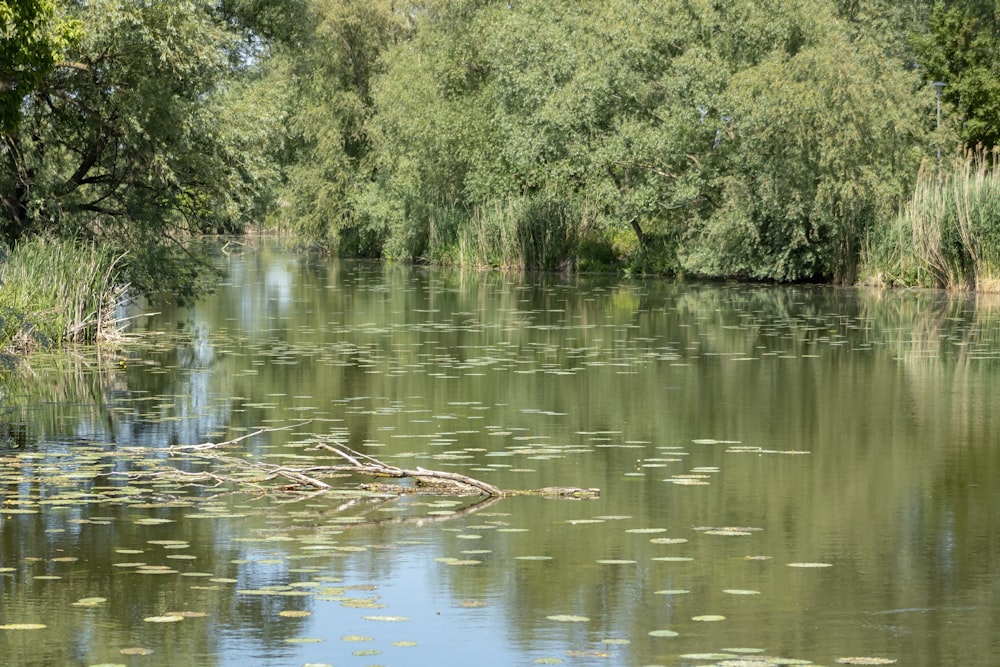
(523, 233)
(948, 234)
(56, 291)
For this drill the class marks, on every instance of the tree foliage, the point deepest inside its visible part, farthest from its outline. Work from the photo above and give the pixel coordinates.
(961, 48)
(31, 40)
(764, 139)
(738, 138)
(143, 136)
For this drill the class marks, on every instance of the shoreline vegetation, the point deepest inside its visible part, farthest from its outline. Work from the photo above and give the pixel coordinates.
(791, 142)
(54, 292)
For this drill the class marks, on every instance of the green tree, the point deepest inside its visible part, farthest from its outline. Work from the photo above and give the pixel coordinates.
(824, 130)
(961, 48)
(327, 75)
(31, 39)
(144, 137)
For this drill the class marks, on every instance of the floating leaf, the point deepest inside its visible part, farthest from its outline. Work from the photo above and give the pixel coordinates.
(675, 591)
(568, 618)
(90, 602)
(663, 633)
(472, 604)
(187, 614)
(810, 565)
(137, 650)
(709, 618)
(866, 661)
(357, 638)
(23, 626)
(740, 591)
(304, 640)
(386, 619)
(742, 650)
(615, 561)
(171, 618)
(646, 530)
(294, 613)
(708, 656)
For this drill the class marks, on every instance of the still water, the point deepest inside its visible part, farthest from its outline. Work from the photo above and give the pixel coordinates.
(804, 473)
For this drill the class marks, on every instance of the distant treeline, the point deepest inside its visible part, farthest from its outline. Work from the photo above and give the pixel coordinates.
(785, 140)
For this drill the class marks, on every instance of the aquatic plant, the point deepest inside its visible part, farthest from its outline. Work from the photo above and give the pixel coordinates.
(54, 291)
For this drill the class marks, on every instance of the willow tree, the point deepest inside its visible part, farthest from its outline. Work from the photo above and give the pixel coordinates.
(325, 72)
(824, 140)
(751, 138)
(141, 137)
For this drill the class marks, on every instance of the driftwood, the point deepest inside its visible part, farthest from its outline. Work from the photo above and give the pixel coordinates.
(425, 480)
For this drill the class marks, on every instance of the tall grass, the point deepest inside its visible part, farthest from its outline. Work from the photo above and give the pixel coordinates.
(527, 232)
(55, 291)
(948, 234)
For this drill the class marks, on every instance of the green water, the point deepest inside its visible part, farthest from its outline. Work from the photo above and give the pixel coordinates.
(815, 465)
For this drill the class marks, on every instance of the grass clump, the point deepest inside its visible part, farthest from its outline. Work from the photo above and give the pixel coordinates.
(56, 291)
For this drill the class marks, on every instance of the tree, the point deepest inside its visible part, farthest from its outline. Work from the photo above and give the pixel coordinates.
(825, 140)
(142, 138)
(31, 39)
(961, 48)
(327, 79)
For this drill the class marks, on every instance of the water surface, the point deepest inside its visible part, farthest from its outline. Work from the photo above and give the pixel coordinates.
(815, 466)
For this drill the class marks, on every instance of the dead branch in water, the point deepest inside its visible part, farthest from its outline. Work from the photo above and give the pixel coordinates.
(257, 473)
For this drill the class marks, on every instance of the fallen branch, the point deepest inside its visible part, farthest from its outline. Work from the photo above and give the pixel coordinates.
(427, 481)
(375, 468)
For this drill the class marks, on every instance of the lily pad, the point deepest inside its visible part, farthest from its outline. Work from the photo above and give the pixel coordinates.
(708, 656)
(90, 602)
(23, 626)
(568, 618)
(663, 633)
(866, 661)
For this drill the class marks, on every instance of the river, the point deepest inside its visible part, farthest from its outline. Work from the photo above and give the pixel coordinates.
(788, 475)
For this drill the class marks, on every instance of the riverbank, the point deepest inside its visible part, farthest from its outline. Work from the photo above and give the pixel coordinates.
(57, 291)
